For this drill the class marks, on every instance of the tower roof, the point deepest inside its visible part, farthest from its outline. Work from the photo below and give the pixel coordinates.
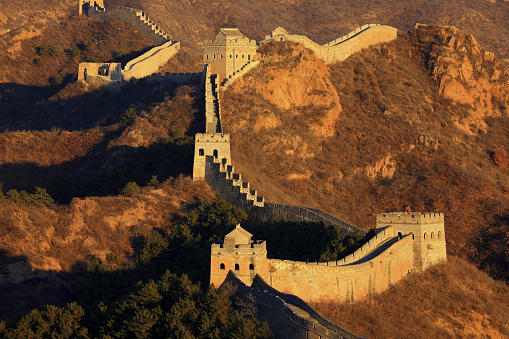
(279, 31)
(231, 32)
(239, 235)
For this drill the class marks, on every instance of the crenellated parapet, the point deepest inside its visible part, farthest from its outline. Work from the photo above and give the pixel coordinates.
(95, 9)
(239, 73)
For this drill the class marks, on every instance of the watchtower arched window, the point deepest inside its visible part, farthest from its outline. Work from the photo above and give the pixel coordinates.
(399, 235)
(425, 235)
(237, 267)
(432, 235)
(249, 57)
(221, 266)
(201, 152)
(216, 154)
(439, 234)
(251, 267)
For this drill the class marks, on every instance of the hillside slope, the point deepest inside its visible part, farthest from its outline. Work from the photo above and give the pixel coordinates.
(405, 138)
(325, 20)
(452, 300)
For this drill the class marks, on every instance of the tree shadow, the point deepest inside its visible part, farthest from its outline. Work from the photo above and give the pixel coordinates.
(74, 106)
(24, 289)
(106, 171)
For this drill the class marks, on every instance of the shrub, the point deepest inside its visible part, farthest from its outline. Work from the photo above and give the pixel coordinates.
(500, 158)
(130, 188)
(129, 115)
(153, 181)
(88, 45)
(39, 197)
(38, 61)
(119, 54)
(47, 51)
(58, 80)
(74, 52)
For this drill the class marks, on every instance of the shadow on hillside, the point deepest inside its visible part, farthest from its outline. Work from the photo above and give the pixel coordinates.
(104, 171)
(24, 289)
(74, 106)
(89, 283)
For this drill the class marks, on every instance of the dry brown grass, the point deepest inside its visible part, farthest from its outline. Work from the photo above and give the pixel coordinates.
(452, 300)
(56, 237)
(389, 103)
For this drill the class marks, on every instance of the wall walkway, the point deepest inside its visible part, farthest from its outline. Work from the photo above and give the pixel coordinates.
(383, 263)
(287, 317)
(240, 73)
(340, 49)
(135, 17)
(212, 104)
(239, 193)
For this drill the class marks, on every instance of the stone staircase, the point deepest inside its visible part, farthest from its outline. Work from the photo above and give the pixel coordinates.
(135, 17)
(222, 178)
(239, 73)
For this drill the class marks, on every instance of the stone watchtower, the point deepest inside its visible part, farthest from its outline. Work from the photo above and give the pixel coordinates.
(427, 233)
(240, 254)
(216, 146)
(228, 52)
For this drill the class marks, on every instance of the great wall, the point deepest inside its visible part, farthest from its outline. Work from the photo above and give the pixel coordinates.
(275, 290)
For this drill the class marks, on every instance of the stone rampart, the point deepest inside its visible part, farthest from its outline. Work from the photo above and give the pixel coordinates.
(240, 73)
(135, 17)
(299, 213)
(143, 66)
(233, 189)
(286, 320)
(229, 184)
(212, 104)
(261, 285)
(149, 62)
(373, 273)
(382, 235)
(341, 48)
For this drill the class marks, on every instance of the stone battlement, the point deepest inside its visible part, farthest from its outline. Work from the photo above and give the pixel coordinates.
(237, 74)
(409, 218)
(212, 137)
(230, 42)
(256, 247)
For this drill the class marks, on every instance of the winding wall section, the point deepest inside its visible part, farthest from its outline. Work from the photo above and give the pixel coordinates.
(340, 49)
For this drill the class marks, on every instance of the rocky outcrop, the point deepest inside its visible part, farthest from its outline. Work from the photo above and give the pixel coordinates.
(467, 75)
(294, 80)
